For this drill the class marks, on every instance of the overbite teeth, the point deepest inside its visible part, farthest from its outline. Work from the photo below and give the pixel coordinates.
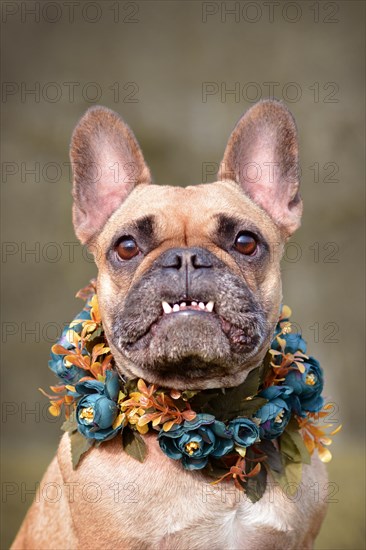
(168, 308)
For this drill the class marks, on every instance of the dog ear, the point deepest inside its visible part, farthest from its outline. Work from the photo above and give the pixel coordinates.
(107, 163)
(262, 156)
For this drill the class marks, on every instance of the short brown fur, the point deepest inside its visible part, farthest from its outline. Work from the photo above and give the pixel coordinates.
(158, 504)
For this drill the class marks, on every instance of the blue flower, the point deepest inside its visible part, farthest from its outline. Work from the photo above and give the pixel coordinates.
(97, 410)
(307, 387)
(69, 374)
(194, 441)
(294, 343)
(274, 415)
(95, 415)
(110, 387)
(245, 431)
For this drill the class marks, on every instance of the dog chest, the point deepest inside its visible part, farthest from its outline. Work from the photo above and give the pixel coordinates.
(159, 504)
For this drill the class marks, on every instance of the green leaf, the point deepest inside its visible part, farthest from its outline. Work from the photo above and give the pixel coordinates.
(188, 394)
(98, 333)
(179, 403)
(255, 487)
(294, 475)
(79, 446)
(202, 401)
(70, 424)
(292, 433)
(134, 445)
(96, 337)
(290, 478)
(289, 448)
(226, 405)
(265, 368)
(130, 386)
(301, 447)
(248, 408)
(274, 459)
(280, 478)
(215, 469)
(250, 384)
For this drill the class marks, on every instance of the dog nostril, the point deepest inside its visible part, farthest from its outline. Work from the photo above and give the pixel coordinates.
(200, 261)
(178, 262)
(173, 261)
(186, 258)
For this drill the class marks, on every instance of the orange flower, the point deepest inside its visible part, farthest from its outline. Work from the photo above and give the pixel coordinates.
(237, 473)
(154, 405)
(315, 436)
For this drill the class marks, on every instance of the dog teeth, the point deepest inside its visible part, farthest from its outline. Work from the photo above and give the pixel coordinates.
(166, 307)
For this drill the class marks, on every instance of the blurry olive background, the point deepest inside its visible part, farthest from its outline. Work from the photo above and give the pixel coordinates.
(151, 62)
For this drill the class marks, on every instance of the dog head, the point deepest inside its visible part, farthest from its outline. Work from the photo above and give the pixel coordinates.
(189, 283)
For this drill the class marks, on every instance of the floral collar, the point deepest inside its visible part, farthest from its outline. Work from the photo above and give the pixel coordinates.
(270, 424)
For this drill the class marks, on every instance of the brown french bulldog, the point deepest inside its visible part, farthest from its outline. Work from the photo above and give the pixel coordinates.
(189, 289)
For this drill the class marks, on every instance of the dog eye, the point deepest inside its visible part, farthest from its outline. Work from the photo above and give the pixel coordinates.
(246, 243)
(127, 248)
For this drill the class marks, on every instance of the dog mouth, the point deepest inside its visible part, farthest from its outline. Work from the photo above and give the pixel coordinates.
(188, 340)
(214, 320)
(173, 311)
(187, 305)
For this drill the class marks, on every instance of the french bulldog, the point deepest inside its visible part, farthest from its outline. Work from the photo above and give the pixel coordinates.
(189, 289)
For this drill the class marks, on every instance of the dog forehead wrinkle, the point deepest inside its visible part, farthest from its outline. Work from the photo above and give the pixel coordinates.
(188, 211)
(230, 224)
(144, 226)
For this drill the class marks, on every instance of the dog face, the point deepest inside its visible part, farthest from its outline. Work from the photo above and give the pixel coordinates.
(189, 281)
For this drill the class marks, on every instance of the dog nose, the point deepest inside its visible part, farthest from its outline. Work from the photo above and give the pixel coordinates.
(186, 259)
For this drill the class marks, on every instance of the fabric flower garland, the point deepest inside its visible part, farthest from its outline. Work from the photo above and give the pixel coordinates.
(227, 434)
